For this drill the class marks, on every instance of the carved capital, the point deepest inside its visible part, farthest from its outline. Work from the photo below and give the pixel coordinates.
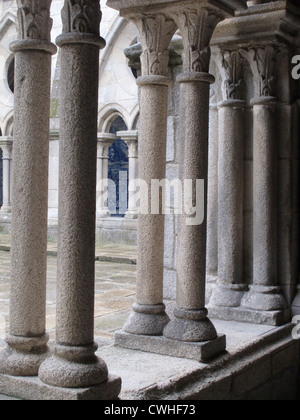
(262, 60)
(156, 34)
(82, 16)
(34, 20)
(231, 70)
(197, 26)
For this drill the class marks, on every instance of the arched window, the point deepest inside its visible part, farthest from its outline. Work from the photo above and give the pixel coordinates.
(118, 171)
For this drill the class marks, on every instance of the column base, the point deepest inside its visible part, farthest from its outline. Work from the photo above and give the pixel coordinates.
(264, 298)
(273, 318)
(190, 326)
(228, 295)
(201, 352)
(34, 389)
(147, 320)
(23, 356)
(73, 367)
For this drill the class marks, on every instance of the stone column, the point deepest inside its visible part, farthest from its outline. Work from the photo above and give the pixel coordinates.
(105, 141)
(190, 322)
(230, 289)
(264, 295)
(74, 363)
(131, 139)
(212, 199)
(156, 30)
(27, 339)
(6, 144)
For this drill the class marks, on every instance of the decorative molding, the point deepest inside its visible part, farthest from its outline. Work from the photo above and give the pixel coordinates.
(34, 20)
(232, 67)
(156, 34)
(82, 16)
(262, 60)
(197, 27)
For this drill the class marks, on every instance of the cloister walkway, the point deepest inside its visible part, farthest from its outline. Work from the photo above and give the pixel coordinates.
(152, 376)
(114, 293)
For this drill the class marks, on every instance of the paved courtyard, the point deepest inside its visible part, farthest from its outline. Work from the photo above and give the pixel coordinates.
(114, 293)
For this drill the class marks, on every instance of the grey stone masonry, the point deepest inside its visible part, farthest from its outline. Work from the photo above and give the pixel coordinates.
(27, 339)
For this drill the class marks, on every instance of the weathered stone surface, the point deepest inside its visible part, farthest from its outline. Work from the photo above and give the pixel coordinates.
(74, 364)
(34, 389)
(30, 191)
(202, 352)
(242, 314)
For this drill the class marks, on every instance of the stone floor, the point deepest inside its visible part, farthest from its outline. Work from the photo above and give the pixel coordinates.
(114, 293)
(257, 357)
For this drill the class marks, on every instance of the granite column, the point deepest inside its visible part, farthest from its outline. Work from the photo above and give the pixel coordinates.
(27, 338)
(131, 139)
(105, 140)
(230, 289)
(156, 30)
(190, 322)
(264, 294)
(74, 363)
(6, 144)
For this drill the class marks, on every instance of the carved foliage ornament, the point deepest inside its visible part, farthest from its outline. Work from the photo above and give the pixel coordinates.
(34, 19)
(197, 27)
(263, 64)
(156, 34)
(232, 65)
(82, 16)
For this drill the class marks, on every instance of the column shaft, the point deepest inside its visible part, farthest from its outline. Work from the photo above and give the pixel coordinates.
(131, 139)
(6, 146)
(104, 142)
(265, 294)
(212, 200)
(74, 363)
(77, 196)
(265, 214)
(27, 338)
(230, 289)
(191, 322)
(6, 183)
(149, 316)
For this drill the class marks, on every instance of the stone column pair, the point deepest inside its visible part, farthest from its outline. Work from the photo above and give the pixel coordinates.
(6, 145)
(73, 363)
(265, 295)
(264, 302)
(189, 323)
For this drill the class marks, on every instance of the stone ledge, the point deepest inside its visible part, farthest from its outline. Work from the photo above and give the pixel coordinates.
(272, 318)
(32, 388)
(201, 352)
(250, 348)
